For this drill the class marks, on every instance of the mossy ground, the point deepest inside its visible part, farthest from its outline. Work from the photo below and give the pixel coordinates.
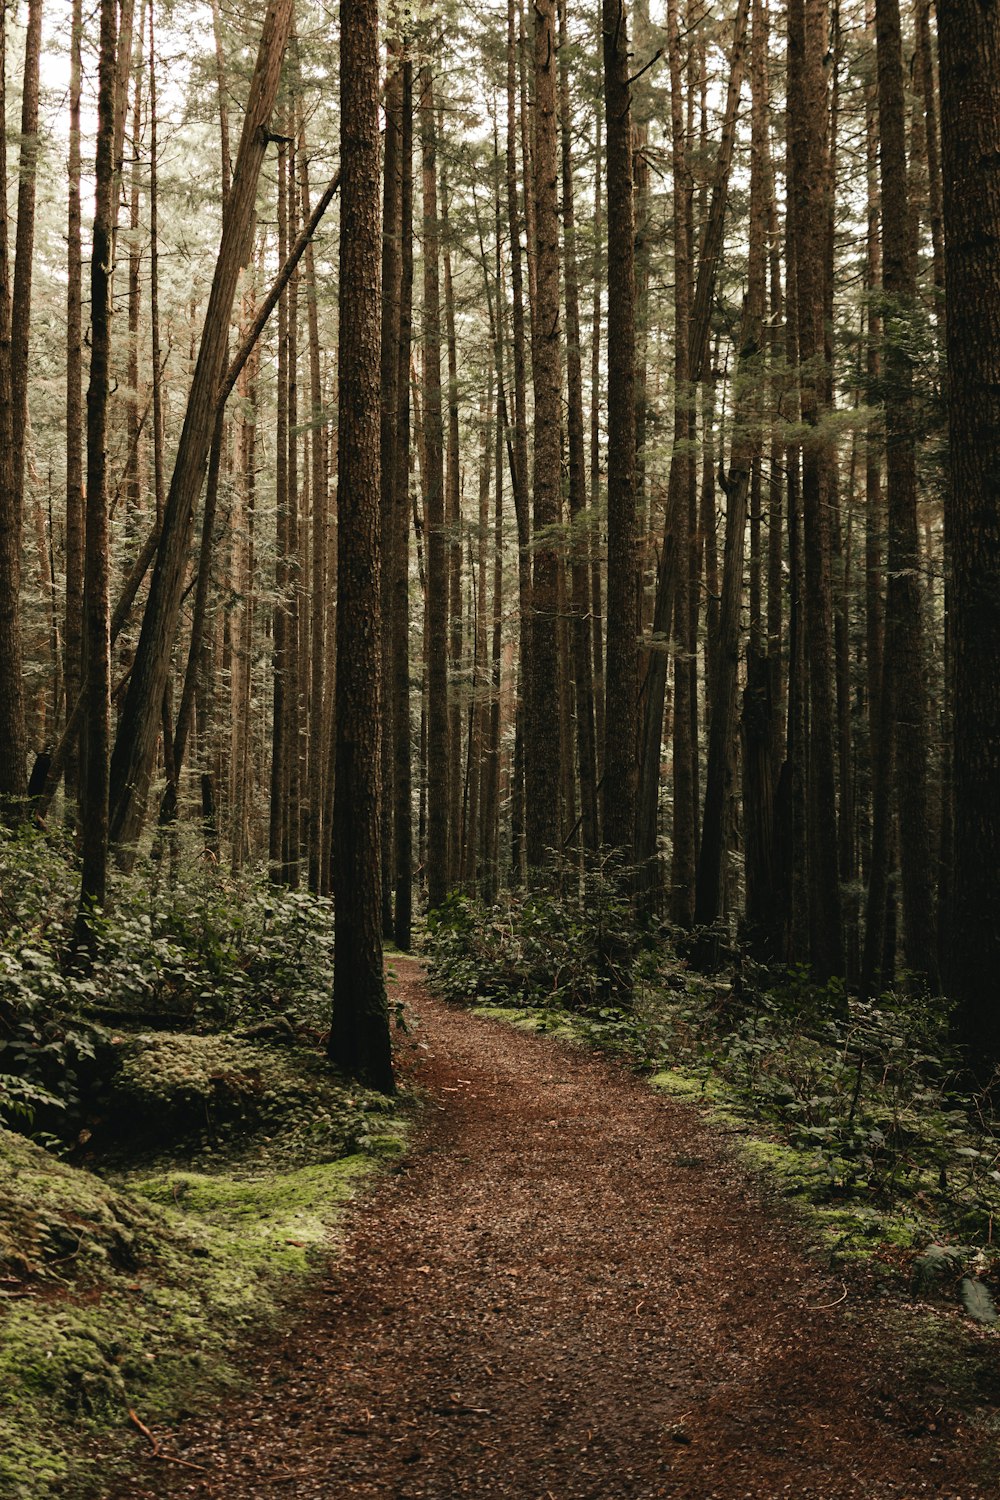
(132, 1292)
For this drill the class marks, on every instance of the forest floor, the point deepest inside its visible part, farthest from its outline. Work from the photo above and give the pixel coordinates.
(572, 1287)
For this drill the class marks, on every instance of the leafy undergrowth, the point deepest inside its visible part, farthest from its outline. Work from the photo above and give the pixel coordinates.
(192, 1149)
(859, 1111)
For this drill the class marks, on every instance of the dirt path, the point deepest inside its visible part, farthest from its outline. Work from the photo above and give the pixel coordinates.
(569, 1291)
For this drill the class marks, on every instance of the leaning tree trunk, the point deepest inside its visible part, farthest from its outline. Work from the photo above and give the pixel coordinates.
(138, 727)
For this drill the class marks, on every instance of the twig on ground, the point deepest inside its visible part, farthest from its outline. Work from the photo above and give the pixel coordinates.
(167, 1458)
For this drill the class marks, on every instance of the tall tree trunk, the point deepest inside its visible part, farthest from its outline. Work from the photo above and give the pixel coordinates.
(620, 722)
(359, 1034)
(677, 554)
(97, 644)
(15, 321)
(389, 377)
(722, 731)
(542, 767)
(903, 708)
(807, 106)
(520, 475)
(596, 607)
(453, 527)
(583, 677)
(402, 750)
(969, 46)
(318, 643)
(438, 872)
(75, 527)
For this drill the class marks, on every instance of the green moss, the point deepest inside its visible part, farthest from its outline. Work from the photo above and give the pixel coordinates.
(134, 1294)
(273, 1221)
(59, 1223)
(683, 1085)
(537, 1022)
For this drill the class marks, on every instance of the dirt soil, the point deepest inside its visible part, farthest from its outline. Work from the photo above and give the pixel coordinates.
(570, 1291)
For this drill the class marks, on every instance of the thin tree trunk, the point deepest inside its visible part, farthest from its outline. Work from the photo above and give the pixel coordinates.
(317, 757)
(15, 319)
(438, 872)
(392, 195)
(97, 645)
(619, 822)
(453, 527)
(75, 527)
(542, 768)
(583, 677)
(808, 114)
(402, 734)
(903, 709)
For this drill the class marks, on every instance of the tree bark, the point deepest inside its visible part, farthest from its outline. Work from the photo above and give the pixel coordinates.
(583, 676)
(438, 872)
(620, 720)
(138, 728)
(401, 728)
(97, 643)
(359, 1034)
(969, 48)
(542, 762)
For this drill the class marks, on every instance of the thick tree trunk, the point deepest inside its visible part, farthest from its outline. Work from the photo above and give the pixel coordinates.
(359, 1034)
(969, 43)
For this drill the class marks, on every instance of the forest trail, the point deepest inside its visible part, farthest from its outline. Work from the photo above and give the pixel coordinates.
(569, 1291)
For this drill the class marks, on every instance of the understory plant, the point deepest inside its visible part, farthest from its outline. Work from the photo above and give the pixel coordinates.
(870, 1098)
(180, 947)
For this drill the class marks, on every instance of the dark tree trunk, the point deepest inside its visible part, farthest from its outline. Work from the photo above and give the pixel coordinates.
(359, 1034)
(807, 106)
(583, 677)
(620, 720)
(97, 644)
(392, 205)
(75, 527)
(542, 761)
(969, 42)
